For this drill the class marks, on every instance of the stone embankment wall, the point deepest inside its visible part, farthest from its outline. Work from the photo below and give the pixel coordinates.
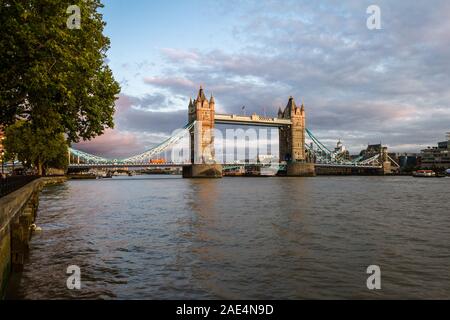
(17, 214)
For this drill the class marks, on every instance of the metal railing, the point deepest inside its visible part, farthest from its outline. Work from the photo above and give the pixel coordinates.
(11, 184)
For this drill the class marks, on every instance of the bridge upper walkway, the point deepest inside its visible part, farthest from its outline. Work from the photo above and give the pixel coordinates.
(254, 119)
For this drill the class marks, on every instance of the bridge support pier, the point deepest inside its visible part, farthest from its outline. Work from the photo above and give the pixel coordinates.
(387, 168)
(203, 171)
(300, 169)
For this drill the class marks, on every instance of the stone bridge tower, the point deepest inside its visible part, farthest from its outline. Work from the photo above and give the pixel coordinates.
(202, 135)
(292, 140)
(202, 138)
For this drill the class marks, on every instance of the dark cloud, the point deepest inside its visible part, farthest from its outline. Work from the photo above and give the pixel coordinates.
(389, 85)
(152, 121)
(156, 101)
(148, 102)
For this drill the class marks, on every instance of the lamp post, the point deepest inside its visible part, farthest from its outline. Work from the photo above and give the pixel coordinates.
(14, 160)
(3, 154)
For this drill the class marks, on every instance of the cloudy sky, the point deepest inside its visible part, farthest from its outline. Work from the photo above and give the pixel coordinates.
(359, 85)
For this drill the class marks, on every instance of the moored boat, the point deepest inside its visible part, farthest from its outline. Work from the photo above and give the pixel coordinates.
(424, 174)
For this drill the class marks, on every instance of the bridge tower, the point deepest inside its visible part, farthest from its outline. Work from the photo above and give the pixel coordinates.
(292, 140)
(385, 163)
(202, 139)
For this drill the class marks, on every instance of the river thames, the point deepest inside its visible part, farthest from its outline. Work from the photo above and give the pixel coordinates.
(164, 237)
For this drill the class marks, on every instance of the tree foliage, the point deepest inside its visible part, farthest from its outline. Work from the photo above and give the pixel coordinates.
(39, 147)
(53, 75)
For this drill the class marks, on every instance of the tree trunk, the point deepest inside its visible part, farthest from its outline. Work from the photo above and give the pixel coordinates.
(39, 168)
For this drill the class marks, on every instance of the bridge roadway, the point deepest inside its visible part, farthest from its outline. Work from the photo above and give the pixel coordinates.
(346, 166)
(123, 165)
(179, 165)
(255, 120)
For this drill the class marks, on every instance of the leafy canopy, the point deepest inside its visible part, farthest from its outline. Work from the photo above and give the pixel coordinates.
(38, 147)
(50, 71)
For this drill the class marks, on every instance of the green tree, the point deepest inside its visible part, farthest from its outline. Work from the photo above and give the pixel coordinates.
(39, 147)
(48, 69)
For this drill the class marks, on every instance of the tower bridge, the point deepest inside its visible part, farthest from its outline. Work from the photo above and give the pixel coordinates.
(296, 157)
(291, 123)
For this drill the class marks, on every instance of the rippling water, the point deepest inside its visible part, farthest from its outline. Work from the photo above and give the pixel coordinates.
(163, 237)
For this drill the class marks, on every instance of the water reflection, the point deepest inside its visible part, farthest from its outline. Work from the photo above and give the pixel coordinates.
(284, 238)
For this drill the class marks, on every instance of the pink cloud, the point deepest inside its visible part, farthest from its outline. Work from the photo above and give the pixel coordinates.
(123, 103)
(112, 144)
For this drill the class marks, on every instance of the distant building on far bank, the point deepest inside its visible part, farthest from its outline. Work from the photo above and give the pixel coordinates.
(341, 151)
(376, 149)
(372, 150)
(408, 161)
(437, 157)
